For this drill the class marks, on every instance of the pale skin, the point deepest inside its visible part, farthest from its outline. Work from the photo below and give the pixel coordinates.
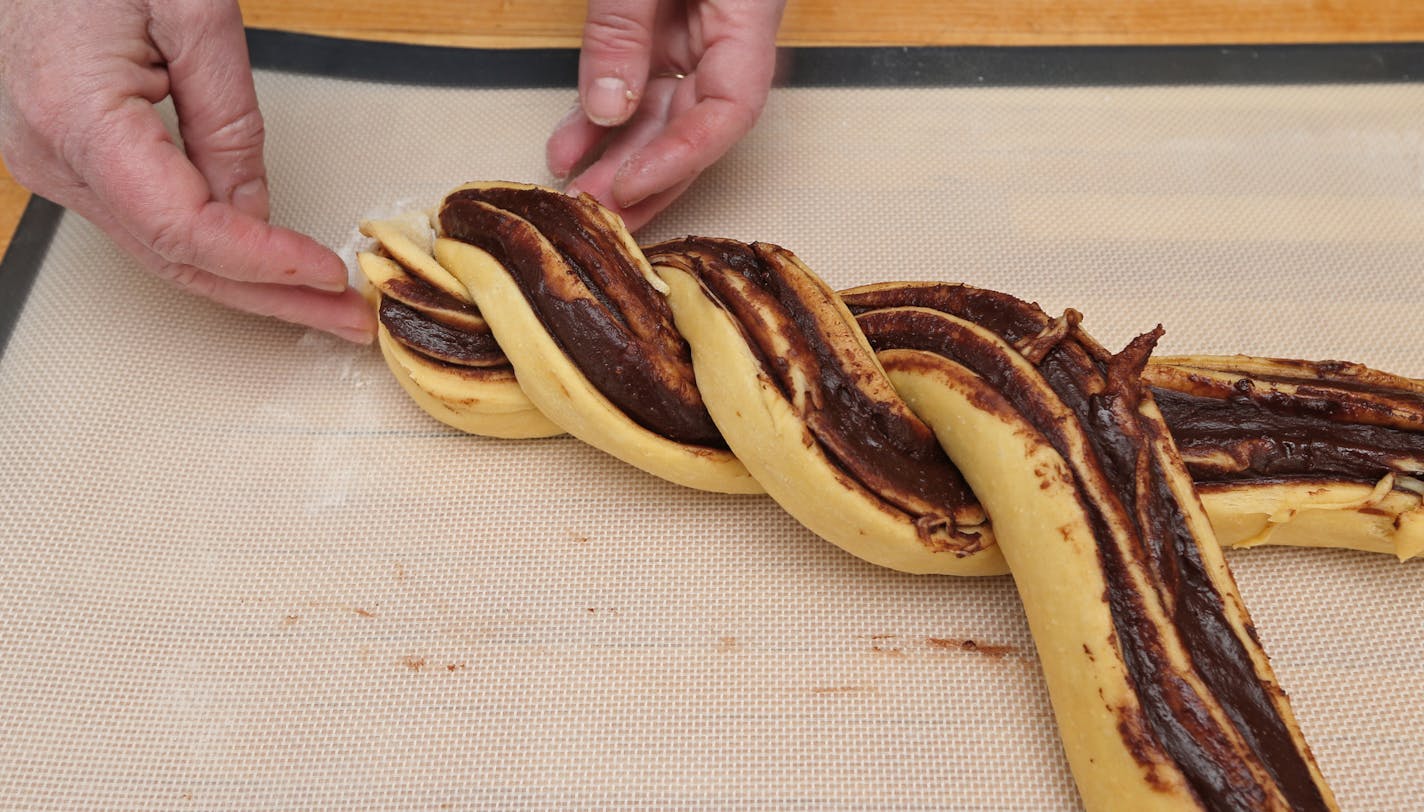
(79, 80)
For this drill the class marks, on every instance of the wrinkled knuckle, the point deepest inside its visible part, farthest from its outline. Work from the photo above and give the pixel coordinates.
(619, 33)
(88, 139)
(73, 146)
(186, 278)
(172, 240)
(241, 133)
(200, 17)
(221, 15)
(44, 118)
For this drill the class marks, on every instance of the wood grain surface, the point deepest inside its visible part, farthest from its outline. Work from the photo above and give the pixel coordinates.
(529, 23)
(542, 23)
(13, 198)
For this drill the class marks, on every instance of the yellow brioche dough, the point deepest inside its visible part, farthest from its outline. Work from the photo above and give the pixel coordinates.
(562, 392)
(490, 405)
(396, 237)
(1048, 542)
(1347, 515)
(774, 443)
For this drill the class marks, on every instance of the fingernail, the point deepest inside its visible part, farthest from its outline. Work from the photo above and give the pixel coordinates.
(608, 101)
(334, 286)
(355, 335)
(251, 199)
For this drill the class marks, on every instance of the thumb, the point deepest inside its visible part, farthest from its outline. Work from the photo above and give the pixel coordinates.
(212, 88)
(613, 63)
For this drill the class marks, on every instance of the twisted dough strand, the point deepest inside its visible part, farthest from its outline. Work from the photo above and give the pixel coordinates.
(458, 374)
(1164, 696)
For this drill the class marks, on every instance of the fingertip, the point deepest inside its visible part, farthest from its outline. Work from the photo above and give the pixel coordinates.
(339, 285)
(361, 327)
(604, 199)
(560, 158)
(635, 219)
(346, 315)
(355, 335)
(327, 286)
(631, 185)
(556, 154)
(643, 212)
(572, 143)
(646, 173)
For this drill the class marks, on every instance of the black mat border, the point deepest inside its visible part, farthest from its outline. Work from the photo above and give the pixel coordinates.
(22, 261)
(933, 66)
(439, 66)
(1089, 66)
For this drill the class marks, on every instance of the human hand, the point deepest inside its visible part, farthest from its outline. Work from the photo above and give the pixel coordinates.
(78, 81)
(669, 129)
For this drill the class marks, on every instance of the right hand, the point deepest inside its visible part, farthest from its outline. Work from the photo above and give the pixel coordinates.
(78, 81)
(645, 135)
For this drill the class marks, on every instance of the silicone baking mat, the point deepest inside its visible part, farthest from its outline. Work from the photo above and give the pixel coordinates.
(242, 570)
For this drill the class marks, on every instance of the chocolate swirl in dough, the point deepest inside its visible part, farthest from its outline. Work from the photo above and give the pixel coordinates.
(1146, 648)
(937, 428)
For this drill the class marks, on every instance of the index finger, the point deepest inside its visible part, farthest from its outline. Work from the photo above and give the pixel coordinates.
(614, 57)
(156, 194)
(732, 80)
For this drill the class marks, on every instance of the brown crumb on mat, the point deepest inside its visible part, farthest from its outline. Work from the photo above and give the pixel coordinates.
(884, 644)
(986, 649)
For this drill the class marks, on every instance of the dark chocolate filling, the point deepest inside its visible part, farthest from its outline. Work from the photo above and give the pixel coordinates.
(1008, 317)
(429, 337)
(432, 301)
(1271, 439)
(1105, 397)
(1337, 375)
(881, 445)
(598, 307)
(1371, 397)
(1274, 435)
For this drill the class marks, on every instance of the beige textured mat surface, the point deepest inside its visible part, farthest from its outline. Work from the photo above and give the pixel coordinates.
(241, 570)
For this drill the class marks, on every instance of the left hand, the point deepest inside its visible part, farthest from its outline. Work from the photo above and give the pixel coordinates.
(666, 87)
(78, 83)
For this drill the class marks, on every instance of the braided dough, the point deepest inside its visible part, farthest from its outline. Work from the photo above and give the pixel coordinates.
(732, 367)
